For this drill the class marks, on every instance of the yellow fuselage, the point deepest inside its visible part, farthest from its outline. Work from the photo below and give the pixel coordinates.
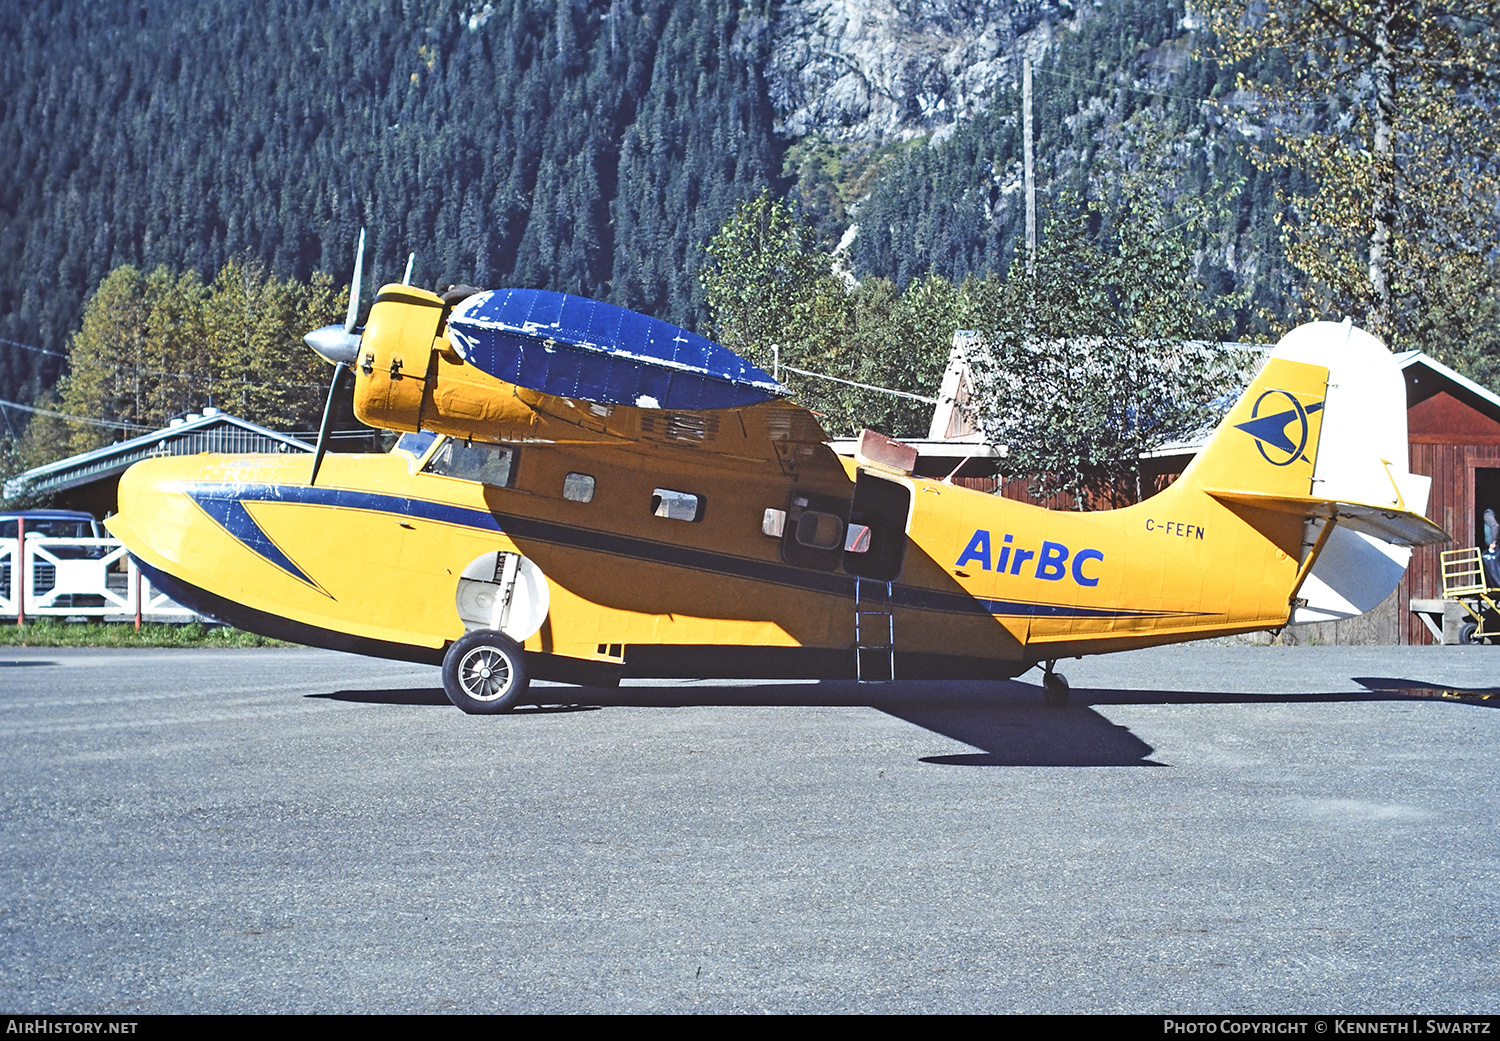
(370, 558)
(375, 549)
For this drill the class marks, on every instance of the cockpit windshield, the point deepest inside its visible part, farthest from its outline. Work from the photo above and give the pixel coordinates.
(414, 445)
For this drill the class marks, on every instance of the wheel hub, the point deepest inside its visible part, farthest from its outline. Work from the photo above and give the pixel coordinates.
(484, 674)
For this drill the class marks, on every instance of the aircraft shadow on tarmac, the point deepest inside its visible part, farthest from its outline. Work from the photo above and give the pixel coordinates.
(1007, 721)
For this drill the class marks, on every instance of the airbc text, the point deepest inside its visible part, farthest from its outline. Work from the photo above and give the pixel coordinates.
(1052, 562)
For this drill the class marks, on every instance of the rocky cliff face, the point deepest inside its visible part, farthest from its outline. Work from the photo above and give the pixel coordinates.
(880, 70)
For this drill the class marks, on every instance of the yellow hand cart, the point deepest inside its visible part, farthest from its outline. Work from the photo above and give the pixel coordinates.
(1465, 583)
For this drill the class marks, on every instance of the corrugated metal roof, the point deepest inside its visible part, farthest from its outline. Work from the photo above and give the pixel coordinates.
(212, 432)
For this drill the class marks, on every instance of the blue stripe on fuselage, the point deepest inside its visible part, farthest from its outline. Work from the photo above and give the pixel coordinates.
(224, 502)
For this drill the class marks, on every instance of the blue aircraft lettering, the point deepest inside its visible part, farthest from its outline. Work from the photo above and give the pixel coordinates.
(1051, 565)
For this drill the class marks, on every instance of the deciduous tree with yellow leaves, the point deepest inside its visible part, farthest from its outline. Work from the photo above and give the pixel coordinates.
(154, 345)
(1384, 112)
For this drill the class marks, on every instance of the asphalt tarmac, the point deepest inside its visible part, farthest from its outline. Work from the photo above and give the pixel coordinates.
(1204, 829)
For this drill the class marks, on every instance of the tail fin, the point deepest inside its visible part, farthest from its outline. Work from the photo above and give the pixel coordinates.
(1268, 443)
(1322, 433)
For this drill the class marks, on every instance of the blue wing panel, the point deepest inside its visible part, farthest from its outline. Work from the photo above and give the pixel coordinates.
(574, 347)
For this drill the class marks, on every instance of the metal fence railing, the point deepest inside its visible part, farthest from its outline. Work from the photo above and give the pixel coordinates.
(91, 578)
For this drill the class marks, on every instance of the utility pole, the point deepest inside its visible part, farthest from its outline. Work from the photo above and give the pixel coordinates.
(1030, 177)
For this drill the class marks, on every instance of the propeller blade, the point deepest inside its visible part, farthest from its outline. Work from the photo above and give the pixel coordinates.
(338, 377)
(359, 274)
(339, 344)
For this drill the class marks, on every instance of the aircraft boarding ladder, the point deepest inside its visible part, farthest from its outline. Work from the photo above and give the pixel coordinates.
(874, 632)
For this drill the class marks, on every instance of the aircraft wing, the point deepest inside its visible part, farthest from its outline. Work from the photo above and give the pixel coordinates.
(528, 365)
(586, 350)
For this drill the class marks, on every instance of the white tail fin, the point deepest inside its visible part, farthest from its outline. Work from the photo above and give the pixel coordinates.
(1358, 453)
(1363, 458)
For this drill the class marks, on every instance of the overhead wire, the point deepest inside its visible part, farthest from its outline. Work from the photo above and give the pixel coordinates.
(164, 372)
(32, 347)
(113, 424)
(121, 424)
(861, 386)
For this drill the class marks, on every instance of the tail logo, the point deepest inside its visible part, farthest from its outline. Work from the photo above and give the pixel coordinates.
(1284, 433)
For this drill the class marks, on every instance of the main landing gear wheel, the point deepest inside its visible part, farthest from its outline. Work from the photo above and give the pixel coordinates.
(1054, 687)
(484, 672)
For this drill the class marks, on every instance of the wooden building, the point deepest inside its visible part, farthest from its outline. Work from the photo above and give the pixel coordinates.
(1453, 426)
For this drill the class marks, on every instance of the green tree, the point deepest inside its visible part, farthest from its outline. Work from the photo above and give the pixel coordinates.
(117, 361)
(1383, 111)
(254, 361)
(155, 346)
(763, 266)
(784, 304)
(1110, 350)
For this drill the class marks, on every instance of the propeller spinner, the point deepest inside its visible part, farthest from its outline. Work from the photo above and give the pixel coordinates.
(338, 345)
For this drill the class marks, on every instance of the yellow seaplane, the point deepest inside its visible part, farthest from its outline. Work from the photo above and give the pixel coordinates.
(581, 493)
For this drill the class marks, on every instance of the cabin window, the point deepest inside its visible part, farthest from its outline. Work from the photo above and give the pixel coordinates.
(474, 461)
(857, 540)
(814, 531)
(818, 530)
(676, 505)
(578, 488)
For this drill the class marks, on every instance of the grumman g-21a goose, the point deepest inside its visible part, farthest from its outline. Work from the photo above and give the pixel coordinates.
(582, 493)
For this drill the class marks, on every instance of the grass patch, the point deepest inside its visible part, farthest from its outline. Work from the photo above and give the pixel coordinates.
(55, 632)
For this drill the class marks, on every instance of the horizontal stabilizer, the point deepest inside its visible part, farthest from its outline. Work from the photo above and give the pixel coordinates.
(1387, 523)
(587, 350)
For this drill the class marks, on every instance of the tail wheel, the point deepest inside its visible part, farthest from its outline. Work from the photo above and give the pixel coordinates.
(1055, 689)
(484, 672)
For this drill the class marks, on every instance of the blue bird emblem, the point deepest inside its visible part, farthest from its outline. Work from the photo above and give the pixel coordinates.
(1284, 433)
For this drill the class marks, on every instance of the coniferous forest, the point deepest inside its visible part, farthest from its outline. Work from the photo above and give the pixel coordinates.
(589, 148)
(597, 147)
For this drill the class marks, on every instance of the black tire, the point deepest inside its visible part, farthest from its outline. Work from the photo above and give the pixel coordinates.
(1466, 632)
(1055, 689)
(484, 672)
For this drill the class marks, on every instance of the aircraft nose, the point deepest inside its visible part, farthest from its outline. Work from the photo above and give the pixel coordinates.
(153, 514)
